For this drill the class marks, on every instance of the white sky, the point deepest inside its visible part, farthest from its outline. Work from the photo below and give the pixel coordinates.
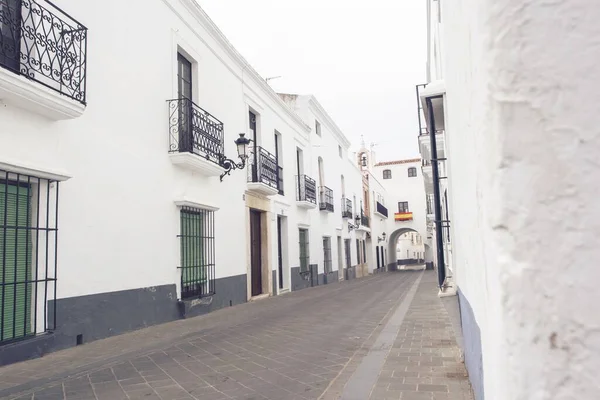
(360, 58)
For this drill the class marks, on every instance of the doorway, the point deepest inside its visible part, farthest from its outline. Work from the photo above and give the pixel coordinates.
(340, 253)
(255, 253)
(279, 253)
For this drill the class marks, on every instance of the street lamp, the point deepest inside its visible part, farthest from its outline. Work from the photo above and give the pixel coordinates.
(357, 219)
(242, 144)
(379, 239)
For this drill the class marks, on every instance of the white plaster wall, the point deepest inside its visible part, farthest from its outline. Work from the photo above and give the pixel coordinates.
(118, 223)
(522, 92)
(414, 247)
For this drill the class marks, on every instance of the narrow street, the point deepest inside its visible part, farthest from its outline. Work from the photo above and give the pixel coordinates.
(387, 336)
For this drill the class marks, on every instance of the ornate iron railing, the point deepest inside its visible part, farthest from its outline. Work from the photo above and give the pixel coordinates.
(364, 220)
(194, 130)
(263, 167)
(381, 209)
(325, 199)
(306, 189)
(43, 43)
(346, 208)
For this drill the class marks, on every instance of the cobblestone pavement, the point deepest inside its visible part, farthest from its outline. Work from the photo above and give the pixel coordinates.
(302, 345)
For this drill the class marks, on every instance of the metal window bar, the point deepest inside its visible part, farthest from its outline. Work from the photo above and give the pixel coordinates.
(28, 255)
(280, 180)
(303, 240)
(327, 268)
(346, 208)
(194, 130)
(325, 199)
(263, 167)
(45, 44)
(381, 209)
(364, 220)
(306, 189)
(197, 244)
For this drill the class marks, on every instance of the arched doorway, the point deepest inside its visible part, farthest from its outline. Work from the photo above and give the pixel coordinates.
(417, 252)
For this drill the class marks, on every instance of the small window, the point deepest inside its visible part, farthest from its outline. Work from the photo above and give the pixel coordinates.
(197, 252)
(304, 249)
(387, 174)
(412, 172)
(318, 127)
(403, 207)
(340, 151)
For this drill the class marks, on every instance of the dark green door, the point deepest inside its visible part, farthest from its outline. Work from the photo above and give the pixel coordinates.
(15, 261)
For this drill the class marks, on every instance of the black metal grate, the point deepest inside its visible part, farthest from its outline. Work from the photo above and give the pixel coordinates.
(325, 199)
(197, 241)
(346, 208)
(327, 255)
(304, 249)
(28, 255)
(194, 130)
(364, 220)
(280, 180)
(263, 168)
(306, 189)
(43, 43)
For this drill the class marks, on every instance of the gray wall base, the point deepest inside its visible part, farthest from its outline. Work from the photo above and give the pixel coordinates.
(102, 315)
(299, 280)
(472, 346)
(331, 277)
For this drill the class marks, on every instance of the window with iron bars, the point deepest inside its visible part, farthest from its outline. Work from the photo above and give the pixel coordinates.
(28, 249)
(412, 172)
(327, 255)
(304, 250)
(197, 241)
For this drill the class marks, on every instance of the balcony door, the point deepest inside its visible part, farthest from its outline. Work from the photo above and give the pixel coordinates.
(184, 94)
(255, 253)
(10, 34)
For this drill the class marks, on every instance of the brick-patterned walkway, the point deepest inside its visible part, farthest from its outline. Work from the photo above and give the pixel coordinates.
(303, 345)
(424, 362)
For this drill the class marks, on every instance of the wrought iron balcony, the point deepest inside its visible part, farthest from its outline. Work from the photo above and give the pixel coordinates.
(263, 168)
(381, 209)
(364, 220)
(325, 199)
(43, 43)
(194, 130)
(306, 189)
(346, 208)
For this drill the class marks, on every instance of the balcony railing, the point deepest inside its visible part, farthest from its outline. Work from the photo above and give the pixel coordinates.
(280, 180)
(263, 168)
(43, 43)
(421, 114)
(364, 220)
(306, 189)
(325, 199)
(346, 208)
(194, 130)
(381, 209)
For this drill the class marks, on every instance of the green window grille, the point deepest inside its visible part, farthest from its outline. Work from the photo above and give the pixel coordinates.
(197, 253)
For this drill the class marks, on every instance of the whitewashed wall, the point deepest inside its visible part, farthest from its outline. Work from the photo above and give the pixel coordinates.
(522, 139)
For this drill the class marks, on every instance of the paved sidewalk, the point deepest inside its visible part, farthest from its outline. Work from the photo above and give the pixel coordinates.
(302, 345)
(422, 363)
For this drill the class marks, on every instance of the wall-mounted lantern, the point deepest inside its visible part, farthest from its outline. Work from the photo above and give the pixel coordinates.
(242, 143)
(382, 238)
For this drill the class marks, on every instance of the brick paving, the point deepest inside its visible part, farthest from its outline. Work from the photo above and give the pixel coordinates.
(301, 345)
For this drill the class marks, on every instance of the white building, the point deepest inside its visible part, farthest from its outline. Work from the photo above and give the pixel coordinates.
(515, 119)
(403, 182)
(410, 248)
(123, 202)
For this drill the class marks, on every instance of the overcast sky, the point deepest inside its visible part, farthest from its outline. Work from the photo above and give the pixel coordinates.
(361, 59)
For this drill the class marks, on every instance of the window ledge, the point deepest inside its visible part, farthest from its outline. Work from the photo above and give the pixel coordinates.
(381, 215)
(189, 202)
(196, 163)
(38, 172)
(32, 96)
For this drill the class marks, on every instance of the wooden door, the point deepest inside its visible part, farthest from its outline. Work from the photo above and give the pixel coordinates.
(255, 253)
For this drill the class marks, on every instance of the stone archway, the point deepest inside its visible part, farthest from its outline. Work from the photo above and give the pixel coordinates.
(392, 244)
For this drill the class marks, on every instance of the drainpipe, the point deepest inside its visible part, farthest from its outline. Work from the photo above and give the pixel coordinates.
(436, 194)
